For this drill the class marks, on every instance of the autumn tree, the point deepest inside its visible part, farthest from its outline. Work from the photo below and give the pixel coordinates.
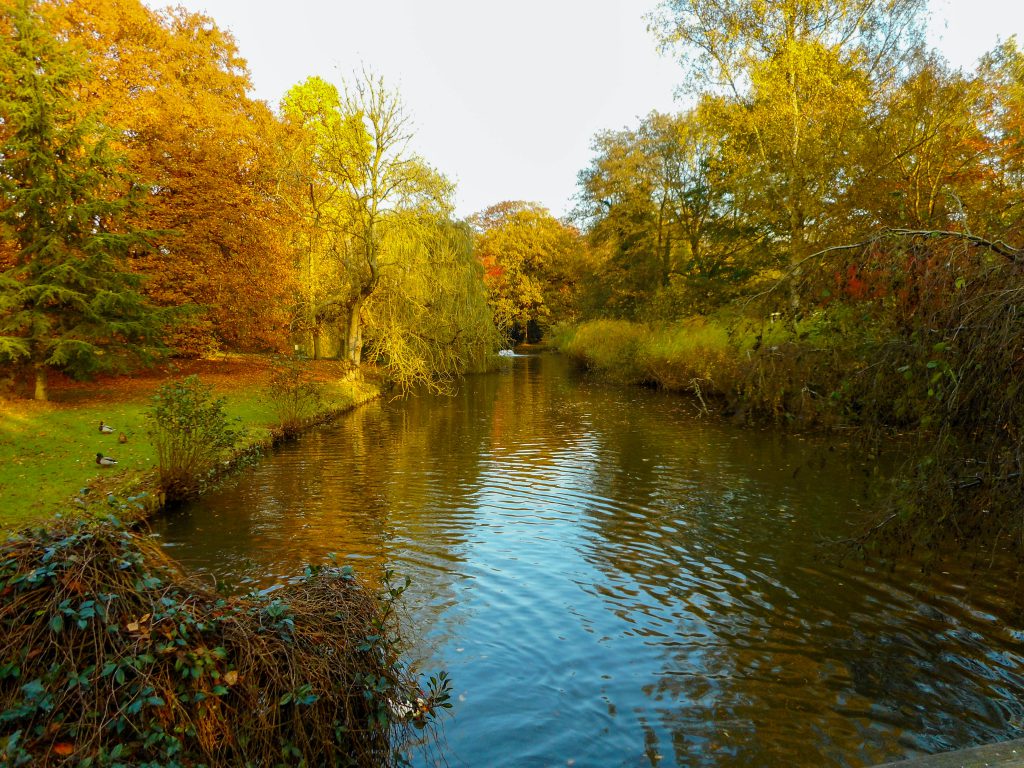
(318, 141)
(801, 74)
(67, 301)
(1001, 76)
(529, 258)
(385, 187)
(429, 322)
(378, 254)
(177, 86)
(659, 202)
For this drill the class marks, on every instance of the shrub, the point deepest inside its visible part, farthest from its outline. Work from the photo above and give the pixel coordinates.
(190, 430)
(111, 656)
(295, 395)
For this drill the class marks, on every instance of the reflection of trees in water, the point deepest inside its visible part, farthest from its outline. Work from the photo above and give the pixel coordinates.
(760, 663)
(702, 592)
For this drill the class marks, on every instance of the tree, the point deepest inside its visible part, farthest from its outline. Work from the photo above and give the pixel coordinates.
(67, 301)
(1002, 77)
(376, 249)
(919, 164)
(363, 187)
(177, 86)
(800, 73)
(385, 186)
(659, 201)
(429, 322)
(319, 140)
(528, 257)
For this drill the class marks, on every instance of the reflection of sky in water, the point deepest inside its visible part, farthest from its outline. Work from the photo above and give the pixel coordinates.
(612, 581)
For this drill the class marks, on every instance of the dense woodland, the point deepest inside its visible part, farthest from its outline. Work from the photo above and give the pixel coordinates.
(831, 234)
(151, 206)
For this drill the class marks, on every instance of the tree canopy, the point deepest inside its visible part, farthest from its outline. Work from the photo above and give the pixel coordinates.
(138, 172)
(67, 300)
(531, 264)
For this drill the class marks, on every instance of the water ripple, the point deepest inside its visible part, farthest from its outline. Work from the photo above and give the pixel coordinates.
(612, 582)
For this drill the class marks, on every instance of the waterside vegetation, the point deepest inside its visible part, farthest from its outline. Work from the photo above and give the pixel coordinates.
(112, 656)
(830, 237)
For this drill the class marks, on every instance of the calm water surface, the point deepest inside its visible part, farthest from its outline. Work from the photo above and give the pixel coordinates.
(612, 581)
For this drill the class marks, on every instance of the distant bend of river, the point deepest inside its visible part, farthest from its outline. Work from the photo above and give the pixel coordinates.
(612, 581)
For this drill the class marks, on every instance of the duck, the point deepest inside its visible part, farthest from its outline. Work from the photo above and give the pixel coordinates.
(105, 461)
(105, 429)
(122, 438)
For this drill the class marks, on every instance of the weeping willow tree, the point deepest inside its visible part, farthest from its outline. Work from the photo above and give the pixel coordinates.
(429, 321)
(380, 261)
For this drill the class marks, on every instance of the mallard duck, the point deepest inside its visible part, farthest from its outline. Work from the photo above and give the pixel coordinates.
(105, 461)
(105, 429)
(122, 438)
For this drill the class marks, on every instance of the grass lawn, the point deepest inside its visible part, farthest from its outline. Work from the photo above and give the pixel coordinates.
(48, 450)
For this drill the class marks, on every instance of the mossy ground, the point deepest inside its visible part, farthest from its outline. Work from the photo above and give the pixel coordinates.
(48, 450)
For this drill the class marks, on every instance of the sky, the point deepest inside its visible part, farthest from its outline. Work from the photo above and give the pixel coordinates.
(505, 97)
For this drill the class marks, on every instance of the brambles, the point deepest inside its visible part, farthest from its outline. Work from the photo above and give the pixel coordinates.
(109, 655)
(190, 430)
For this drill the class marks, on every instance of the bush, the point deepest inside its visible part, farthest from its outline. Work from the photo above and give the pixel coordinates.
(190, 430)
(111, 656)
(295, 395)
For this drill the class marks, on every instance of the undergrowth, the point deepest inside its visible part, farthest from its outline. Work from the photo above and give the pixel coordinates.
(294, 393)
(190, 430)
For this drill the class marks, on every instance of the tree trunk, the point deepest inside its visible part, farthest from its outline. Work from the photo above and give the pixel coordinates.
(316, 342)
(42, 393)
(796, 253)
(354, 336)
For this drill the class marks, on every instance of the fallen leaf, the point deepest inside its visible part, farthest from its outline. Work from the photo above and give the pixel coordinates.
(231, 677)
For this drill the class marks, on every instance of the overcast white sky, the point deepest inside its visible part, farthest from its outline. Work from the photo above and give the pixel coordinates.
(505, 96)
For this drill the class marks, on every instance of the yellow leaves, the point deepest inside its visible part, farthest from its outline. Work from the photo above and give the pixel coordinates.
(139, 627)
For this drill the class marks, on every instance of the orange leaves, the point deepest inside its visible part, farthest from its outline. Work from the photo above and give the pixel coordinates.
(176, 86)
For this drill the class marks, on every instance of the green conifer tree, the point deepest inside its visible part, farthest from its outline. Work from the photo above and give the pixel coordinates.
(68, 301)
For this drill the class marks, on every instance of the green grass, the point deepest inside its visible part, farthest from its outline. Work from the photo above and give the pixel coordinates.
(48, 451)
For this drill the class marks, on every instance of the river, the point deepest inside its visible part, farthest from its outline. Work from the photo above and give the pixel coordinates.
(612, 580)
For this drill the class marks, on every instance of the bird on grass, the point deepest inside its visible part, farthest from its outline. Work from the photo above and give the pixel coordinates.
(105, 429)
(122, 438)
(105, 461)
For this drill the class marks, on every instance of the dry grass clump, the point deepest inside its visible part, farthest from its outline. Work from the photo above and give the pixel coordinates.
(110, 655)
(608, 347)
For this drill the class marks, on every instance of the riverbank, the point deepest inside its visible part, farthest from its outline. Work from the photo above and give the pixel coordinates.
(48, 450)
(952, 398)
(763, 372)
